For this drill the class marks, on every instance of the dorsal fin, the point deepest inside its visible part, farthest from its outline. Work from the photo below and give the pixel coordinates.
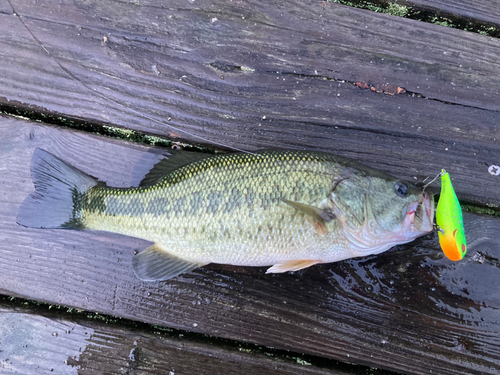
(176, 159)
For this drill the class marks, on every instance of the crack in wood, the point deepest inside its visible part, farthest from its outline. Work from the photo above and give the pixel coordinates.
(114, 297)
(393, 90)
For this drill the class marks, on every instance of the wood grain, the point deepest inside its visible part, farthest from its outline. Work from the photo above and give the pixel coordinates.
(478, 10)
(34, 341)
(267, 74)
(407, 310)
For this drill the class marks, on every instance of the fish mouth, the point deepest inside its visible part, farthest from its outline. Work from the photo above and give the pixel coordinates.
(371, 238)
(419, 216)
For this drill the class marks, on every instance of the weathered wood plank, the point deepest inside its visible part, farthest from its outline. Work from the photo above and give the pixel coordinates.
(292, 63)
(477, 10)
(408, 310)
(40, 342)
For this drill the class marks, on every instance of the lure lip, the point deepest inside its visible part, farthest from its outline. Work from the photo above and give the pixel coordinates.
(450, 248)
(451, 242)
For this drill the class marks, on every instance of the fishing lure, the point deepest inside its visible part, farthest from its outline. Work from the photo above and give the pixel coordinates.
(450, 222)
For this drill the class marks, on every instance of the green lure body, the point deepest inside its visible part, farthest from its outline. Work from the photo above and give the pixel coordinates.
(450, 221)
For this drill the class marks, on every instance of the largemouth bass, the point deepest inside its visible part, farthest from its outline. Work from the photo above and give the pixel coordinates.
(284, 209)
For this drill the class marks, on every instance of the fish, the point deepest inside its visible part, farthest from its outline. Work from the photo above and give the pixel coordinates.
(450, 221)
(283, 209)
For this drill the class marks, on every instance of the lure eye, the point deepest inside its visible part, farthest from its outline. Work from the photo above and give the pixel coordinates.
(401, 189)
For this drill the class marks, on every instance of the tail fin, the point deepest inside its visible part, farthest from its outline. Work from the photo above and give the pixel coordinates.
(55, 203)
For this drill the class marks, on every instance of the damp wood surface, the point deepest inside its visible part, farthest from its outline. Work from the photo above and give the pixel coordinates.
(475, 11)
(36, 341)
(253, 75)
(260, 74)
(409, 310)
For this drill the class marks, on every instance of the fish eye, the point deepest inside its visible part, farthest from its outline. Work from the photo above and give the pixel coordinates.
(401, 189)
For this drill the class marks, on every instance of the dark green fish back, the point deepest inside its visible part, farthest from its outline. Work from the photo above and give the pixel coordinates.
(248, 174)
(220, 200)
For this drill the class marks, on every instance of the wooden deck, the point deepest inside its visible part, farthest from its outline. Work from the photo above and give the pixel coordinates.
(248, 75)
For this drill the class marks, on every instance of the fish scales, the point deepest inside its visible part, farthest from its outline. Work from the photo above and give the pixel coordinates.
(223, 209)
(285, 209)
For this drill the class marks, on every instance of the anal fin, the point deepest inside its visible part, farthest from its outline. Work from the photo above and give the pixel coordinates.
(293, 265)
(156, 264)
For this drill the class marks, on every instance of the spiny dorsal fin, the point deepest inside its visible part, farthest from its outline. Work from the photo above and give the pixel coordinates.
(177, 159)
(156, 264)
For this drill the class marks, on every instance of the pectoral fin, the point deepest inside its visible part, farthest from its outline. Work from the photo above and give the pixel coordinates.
(293, 265)
(322, 217)
(156, 264)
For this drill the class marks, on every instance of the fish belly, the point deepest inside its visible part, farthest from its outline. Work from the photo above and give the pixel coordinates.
(230, 211)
